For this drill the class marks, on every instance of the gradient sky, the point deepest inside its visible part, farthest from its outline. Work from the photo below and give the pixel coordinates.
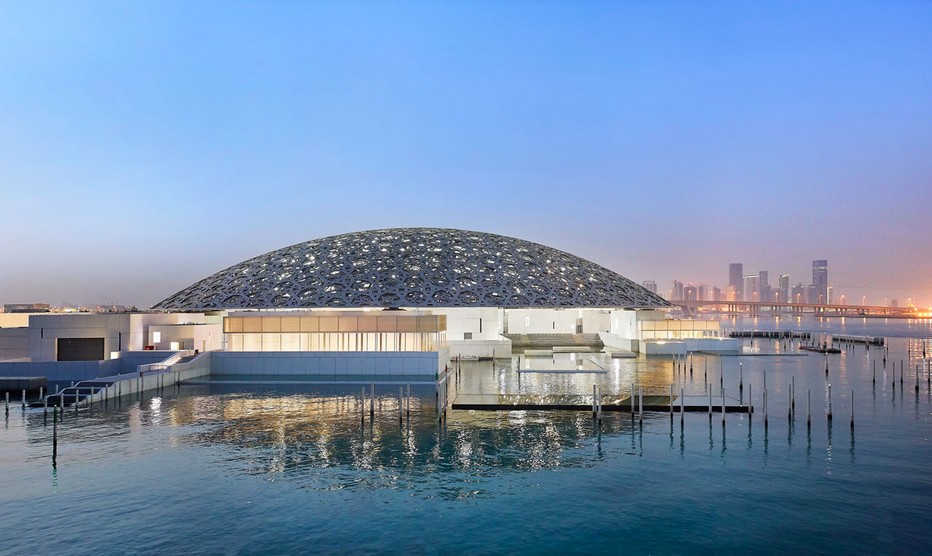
(144, 146)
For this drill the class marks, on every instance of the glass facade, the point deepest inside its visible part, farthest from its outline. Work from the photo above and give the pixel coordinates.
(335, 332)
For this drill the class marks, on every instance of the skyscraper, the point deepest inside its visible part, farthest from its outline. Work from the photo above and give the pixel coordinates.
(764, 285)
(650, 286)
(736, 279)
(784, 289)
(819, 290)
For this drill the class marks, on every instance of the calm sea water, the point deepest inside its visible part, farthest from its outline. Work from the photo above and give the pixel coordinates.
(231, 469)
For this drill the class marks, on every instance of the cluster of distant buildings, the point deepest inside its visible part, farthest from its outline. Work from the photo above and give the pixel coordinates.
(756, 287)
(33, 308)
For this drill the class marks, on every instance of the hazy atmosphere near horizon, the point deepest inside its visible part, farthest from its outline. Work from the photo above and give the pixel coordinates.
(146, 145)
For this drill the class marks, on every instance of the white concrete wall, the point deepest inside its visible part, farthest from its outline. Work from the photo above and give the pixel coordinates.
(329, 363)
(44, 330)
(624, 324)
(619, 342)
(120, 331)
(202, 337)
(15, 320)
(542, 321)
(557, 321)
(485, 323)
(14, 343)
(483, 349)
(713, 345)
(596, 321)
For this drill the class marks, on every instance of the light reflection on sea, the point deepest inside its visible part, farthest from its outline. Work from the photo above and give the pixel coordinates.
(294, 468)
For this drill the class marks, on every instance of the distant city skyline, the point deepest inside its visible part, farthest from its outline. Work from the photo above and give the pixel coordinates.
(144, 148)
(756, 286)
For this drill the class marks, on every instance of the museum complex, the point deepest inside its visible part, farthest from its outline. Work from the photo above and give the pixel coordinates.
(383, 302)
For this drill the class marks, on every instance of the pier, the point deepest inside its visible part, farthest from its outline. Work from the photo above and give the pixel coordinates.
(609, 402)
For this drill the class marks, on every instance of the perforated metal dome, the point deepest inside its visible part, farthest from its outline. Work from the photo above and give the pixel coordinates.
(413, 267)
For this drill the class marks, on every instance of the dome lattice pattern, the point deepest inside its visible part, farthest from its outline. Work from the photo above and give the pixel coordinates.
(413, 267)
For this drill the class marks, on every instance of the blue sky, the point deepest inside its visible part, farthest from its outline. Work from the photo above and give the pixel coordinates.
(144, 146)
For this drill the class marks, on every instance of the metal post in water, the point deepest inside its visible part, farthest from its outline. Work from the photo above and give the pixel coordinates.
(6, 404)
(740, 378)
(765, 407)
(710, 404)
(401, 404)
(874, 379)
(641, 404)
(917, 377)
(750, 397)
(54, 437)
(829, 402)
(594, 409)
(793, 395)
(809, 407)
(24, 398)
(723, 407)
(599, 405)
(372, 400)
(671, 401)
(362, 403)
(45, 407)
(41, 391)
(852, 409)
(682, 405)
(632, 399)
(408, 401)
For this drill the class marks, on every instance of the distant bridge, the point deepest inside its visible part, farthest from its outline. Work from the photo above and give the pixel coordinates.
(756, 308)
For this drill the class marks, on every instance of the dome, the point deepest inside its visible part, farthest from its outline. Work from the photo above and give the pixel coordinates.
(413, 267)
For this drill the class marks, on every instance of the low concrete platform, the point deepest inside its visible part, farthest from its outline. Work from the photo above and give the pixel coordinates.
(565, 371)
(20, 383)
(618, 403)
(571, 349)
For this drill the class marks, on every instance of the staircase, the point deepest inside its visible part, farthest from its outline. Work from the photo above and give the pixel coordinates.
(546, 341)
(71, 395)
